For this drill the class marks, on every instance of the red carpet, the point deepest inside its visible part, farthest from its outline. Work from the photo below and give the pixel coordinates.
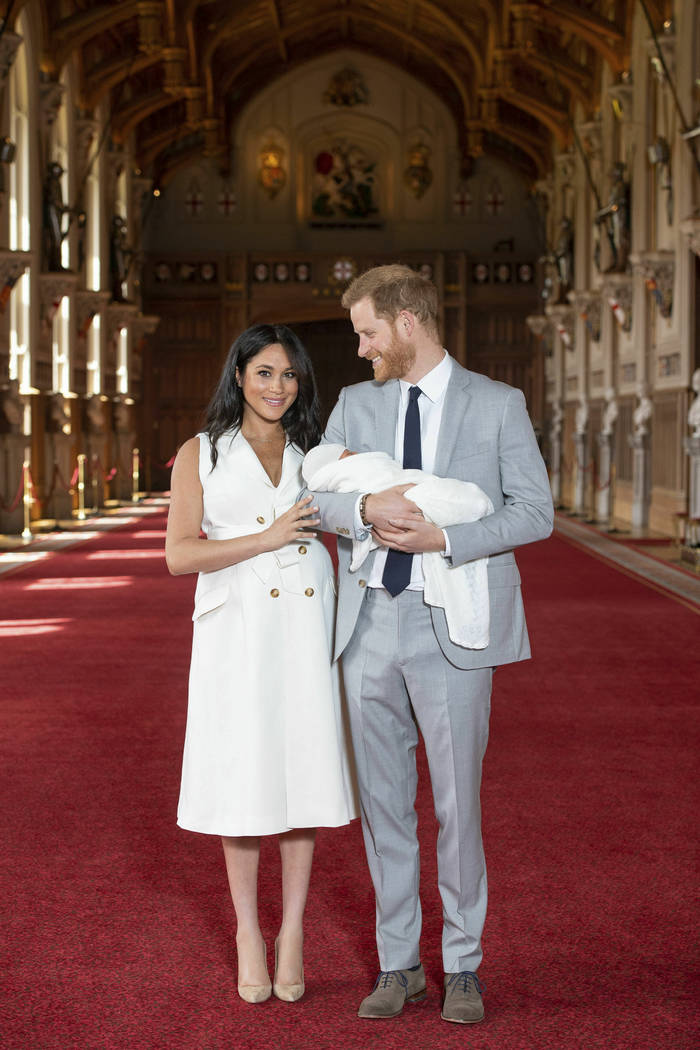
(119, 930)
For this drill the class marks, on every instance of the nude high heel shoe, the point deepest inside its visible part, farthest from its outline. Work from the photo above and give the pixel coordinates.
(255, 993)
(288, 993)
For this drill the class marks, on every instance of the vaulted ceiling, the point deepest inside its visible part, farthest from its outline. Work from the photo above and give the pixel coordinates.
(177, 73)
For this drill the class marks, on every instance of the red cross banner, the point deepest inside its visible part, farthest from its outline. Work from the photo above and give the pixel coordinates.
(194, 201)
(495, 202)
(226, 201)
(462, 201)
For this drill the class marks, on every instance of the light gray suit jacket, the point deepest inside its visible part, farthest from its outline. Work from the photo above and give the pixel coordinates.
(485, 437)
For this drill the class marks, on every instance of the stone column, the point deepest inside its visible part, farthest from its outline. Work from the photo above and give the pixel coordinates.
(640, 442)
(581, 448)
(555, 452)
(641, 479)
(603, 501)
(692, 447)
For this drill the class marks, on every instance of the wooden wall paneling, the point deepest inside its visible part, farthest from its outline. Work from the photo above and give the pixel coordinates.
(669, 429)
(568, 456)
(595, 415)
(623, 430)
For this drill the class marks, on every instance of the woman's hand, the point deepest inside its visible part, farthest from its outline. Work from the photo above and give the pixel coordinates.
(291, 526)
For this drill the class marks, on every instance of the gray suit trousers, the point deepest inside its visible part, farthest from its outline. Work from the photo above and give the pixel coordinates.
(397, 681)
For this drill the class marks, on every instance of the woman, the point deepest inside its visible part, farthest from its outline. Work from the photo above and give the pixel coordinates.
(265, 749)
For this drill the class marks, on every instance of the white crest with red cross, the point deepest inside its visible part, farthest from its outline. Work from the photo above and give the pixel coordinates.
(194, 201)
(495, 201)
(462, 201)
(226, 202)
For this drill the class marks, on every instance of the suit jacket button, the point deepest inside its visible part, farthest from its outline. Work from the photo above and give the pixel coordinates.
(302, 550)
(309, 592)
(274, 593)
(362, 583)
(260, 519)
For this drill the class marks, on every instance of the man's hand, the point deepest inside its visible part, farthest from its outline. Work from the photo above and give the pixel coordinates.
(381, 507)
(413, 535)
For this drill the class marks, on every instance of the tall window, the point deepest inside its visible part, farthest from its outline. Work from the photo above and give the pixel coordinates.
(61, 341)
(20, 355)
(94, 243)
(123, 361)
(94, 373)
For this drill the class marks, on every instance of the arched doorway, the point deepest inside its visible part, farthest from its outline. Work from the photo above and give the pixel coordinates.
(332, 347)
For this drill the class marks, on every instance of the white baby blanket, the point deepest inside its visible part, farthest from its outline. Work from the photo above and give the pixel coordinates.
(461, 591)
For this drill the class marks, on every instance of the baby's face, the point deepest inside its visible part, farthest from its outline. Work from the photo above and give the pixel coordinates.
(346, 452)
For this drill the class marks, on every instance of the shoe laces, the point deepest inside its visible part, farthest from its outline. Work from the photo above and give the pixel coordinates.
(387, 976)
(461, 981)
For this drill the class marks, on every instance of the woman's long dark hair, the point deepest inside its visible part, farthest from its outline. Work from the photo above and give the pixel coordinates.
(301, 421)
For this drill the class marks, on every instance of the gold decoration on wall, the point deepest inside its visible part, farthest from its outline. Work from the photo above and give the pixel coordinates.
(418, 175)
(272, 175)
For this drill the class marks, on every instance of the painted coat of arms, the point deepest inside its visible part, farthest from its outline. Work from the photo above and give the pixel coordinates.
(344, 184)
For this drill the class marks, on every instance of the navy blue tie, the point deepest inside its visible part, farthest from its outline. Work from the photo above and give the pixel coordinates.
(397, 569)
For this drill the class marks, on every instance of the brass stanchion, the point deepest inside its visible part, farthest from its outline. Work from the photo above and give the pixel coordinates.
(93, 482)
(611, 504)
(27, 500)
(81, 486)
(135, 475)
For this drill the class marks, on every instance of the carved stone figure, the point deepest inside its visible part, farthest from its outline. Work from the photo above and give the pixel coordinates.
(557, 419)
(53, 211)
(643, 412)
(58, 415)
(11, 408)
(610, 413)
(694, 410)
(564, 256)
(118, 258)
(581, 415)
(94, 410)
(615, 218)
(122, 417)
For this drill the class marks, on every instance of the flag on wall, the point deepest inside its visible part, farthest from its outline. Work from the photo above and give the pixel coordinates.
(5, 293)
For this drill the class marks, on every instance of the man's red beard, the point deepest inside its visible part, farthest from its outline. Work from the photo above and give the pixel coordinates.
(398, 359)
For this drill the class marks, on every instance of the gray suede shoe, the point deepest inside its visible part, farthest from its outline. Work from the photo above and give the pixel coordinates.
(391, 990)
(462, 1000)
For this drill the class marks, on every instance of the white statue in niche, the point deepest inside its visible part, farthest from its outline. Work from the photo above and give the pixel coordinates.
(643, 412)
(581, 415)
(694, 410)
(557, 419)
(610, 413)
(11, 408)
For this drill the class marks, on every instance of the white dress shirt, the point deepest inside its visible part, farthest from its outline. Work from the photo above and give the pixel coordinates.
(433, 388)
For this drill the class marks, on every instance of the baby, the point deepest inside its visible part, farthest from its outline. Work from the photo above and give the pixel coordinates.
(462, 591)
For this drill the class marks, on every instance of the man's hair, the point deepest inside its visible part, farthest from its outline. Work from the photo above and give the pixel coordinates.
(392, 289)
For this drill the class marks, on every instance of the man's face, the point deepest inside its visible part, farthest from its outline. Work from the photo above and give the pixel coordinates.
(384, 344)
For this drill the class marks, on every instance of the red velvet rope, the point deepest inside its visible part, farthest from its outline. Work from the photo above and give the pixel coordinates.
(9, 508)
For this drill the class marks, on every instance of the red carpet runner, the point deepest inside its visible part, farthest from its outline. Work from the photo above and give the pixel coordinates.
(118, 929)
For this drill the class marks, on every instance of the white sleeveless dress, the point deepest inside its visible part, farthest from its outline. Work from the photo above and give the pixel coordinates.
(266, 748)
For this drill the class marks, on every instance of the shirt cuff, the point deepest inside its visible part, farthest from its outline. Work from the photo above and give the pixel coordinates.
(361, 531)
(448, 550)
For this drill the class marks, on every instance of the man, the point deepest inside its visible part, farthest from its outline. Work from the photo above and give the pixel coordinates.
(401, 670)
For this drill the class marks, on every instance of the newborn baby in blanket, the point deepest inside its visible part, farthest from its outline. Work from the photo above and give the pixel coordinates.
(462, 591)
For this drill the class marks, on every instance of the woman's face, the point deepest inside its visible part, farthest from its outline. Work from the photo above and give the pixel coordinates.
(269, 384)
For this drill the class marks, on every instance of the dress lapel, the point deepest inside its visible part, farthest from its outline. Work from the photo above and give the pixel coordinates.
(454, 410)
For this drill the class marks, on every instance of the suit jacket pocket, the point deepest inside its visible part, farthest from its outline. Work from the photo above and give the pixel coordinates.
(209, 600)
(503, 575)
(466, 454)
